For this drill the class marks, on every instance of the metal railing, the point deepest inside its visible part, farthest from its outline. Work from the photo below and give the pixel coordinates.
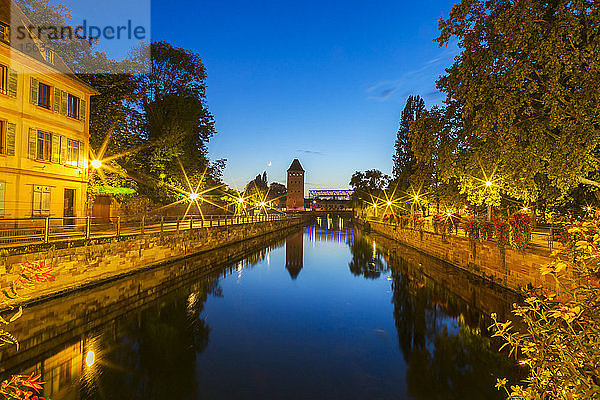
(16, 231)
(543, 237)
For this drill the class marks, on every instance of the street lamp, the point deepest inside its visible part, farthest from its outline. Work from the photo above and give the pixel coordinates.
(193, 196)
(488, 183)
(90, 358)
(96, 164)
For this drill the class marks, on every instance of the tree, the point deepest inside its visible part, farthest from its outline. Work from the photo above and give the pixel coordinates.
(276, 191)
(78, 54)
(523, 96)
(560, 337)
(404, 159)
(258, 186)
(176, 121)
(370, 181)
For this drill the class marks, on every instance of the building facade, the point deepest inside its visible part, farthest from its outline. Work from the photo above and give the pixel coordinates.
(328, 199)
(44, 131)
(295, 186)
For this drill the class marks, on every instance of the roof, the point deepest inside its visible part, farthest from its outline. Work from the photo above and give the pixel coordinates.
(295, 166)
(12, 15)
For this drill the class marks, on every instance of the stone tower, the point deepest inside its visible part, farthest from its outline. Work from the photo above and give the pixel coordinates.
(295, 186)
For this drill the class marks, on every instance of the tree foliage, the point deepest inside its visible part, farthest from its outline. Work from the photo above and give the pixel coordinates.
(404, 159)
(561, 338)
(522, 99)
(370, 181)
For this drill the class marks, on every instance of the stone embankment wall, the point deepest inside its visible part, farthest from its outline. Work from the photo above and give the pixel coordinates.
(506, 266)
(84, 263)
(46, 327)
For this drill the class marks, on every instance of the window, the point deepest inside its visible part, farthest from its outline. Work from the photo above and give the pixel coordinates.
(49, 55)
(2, 137)
(41, 200)
(3, 79)
(44, 146)
(72, 152)
(73, 111)
(2, 190)
(44, 95)
(4, 33)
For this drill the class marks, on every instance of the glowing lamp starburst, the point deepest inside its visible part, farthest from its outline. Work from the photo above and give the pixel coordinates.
(488, 183)
(96, 164)
(389, 203)
(193, 196)
(90, 358)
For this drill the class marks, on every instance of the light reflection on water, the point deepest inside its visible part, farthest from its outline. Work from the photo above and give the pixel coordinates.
(329, 313)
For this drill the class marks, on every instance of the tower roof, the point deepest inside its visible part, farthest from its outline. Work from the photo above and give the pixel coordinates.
(295, 166)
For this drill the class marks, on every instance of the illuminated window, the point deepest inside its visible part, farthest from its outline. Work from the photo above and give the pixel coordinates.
(4, 33)
(41, 200)
(72, 152)
(44, 95)
(3, 79)
(73, 111)
(44, 146)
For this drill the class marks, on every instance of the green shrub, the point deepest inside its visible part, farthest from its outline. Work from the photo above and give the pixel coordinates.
(560, 342)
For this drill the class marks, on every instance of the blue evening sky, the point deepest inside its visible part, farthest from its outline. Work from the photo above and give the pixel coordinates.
(321, 81)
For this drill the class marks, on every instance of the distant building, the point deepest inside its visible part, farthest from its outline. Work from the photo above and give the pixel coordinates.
(44, 129)
(329, 199)
(295, 186)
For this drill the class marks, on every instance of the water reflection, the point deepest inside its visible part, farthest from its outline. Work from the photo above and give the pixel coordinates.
(294, 254)
(366, 261)
(367, 319)
(443, 339)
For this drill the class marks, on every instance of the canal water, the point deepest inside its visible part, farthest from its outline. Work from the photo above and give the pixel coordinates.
(322, 313)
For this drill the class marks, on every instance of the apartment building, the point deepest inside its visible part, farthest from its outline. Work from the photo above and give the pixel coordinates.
(44, 129)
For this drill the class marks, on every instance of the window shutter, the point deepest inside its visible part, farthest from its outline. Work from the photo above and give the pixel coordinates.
(35, 87)
(45, 199)
(32, 149)
(81, 156)
(2, 189)
(12, 83)
(64, 104)
(37, 200)
(55, 156)
(63, 150)
(82, 110)
(11, 130)
(57, 100)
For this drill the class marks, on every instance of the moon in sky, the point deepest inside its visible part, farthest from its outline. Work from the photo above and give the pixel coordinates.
(269, 164)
